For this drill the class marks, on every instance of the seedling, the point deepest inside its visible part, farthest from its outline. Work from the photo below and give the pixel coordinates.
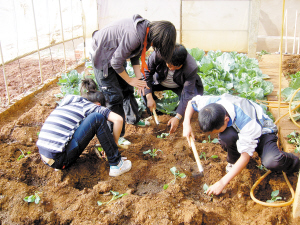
(205, 188)
(215, 140)
(33, 198)
(163, 135)
(176, 174)
(152, 152)
(115, 196)
(101, 152)
(294, 138)
(274, 196)
(261, 167)
(23, 155)
(203, 155)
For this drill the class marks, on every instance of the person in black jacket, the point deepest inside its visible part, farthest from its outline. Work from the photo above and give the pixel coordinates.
(180, 76)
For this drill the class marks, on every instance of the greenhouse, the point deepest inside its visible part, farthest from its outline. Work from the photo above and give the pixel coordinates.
(150, 112)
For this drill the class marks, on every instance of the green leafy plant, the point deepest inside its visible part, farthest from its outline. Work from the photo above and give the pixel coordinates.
(205, 188)
(33, 198)
(152, 152)
(215, 140)
(231, 72)
(294, 138)
(176, 174)
(163, 135)
(115, 196)
(261, 167)
(274, 196)
(203, 155)
(168, 103)
(23, 155)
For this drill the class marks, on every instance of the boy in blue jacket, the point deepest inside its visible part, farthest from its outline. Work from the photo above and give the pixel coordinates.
(243, 128)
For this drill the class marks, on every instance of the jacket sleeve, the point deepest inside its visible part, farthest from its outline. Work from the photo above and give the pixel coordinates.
(126, 46)
(151, 63)
(188, 90)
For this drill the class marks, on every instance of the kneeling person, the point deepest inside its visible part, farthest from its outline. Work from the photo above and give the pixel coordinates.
(243, 128)
(74, 123)
(179, 75)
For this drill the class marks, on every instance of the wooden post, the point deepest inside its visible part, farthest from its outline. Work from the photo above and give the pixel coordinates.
(296, 204)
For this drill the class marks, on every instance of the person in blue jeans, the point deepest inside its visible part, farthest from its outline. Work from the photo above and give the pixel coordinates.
(243, 128)
(74, 123)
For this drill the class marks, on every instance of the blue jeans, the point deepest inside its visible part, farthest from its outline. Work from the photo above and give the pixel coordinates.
(271, 156)
(93, 124)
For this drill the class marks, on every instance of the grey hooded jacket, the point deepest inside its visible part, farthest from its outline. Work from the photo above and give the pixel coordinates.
(117, 42)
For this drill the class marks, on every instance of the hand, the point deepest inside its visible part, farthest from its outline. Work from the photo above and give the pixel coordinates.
(215, 189)
(174, 122)
(150, 102)
(141, 91)
(140, 84)
(187, 132)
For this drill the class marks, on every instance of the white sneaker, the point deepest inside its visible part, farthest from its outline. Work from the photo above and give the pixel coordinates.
(123, 141)
(228, 167)
(123, 167)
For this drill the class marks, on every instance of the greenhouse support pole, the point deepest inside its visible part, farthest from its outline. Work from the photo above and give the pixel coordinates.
(83, 30)
(286, 29)
(294, 43)
(253, 27)
(37, 41)
(4, 75)
(180, 40)
(62, 35)
(280, 65)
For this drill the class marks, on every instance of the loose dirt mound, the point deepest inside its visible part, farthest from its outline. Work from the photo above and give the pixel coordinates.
(70, 196)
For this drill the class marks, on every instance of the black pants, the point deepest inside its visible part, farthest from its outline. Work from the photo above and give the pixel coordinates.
(271, 156)
(119, 96)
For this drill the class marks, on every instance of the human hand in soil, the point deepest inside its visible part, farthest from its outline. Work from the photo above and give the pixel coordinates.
(150, 102)
(216, 188)
(174, 122)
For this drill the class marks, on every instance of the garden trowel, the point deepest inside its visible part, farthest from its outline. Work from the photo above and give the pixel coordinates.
(201, 173)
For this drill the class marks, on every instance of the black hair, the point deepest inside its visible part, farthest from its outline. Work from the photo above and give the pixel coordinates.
(179, 55)
(162, 35)
(211, 117)
(89, 91)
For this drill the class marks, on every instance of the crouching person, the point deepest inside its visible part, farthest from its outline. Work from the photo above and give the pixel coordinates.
(74, 123)
(243, 128)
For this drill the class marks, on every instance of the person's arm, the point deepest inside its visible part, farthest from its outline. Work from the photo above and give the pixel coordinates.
(217, 188)
(187, 128)
(117, 120)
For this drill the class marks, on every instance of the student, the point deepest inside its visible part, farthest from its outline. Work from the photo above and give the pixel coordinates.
(122, 40)
(243, 128)
(179, 75)
(74, 123)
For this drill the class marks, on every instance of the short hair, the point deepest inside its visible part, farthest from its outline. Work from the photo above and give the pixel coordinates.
(211, 117)
(162, 35)
(179, 55)
(89, 91)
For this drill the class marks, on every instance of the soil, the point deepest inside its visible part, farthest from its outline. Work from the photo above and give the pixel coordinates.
(70, 196)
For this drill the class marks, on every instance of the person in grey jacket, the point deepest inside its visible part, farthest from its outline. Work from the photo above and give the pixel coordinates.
(179, 75)
(128, 39)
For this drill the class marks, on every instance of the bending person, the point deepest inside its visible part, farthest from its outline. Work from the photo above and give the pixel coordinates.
(74, 123)
(243, 128)
(179, 75)
(122, 40)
